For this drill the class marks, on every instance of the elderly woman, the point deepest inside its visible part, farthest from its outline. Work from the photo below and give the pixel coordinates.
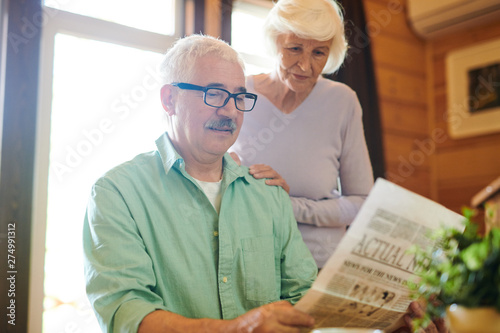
(307, 128)
(305, 132)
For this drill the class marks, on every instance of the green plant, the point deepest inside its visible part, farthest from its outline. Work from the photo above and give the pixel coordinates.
(464, 269)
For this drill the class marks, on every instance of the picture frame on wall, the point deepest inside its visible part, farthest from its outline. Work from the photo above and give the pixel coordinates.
(473, 90)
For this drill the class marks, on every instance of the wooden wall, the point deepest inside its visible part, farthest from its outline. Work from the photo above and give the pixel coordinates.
(420, 154)
(400, 66)
(463, 166)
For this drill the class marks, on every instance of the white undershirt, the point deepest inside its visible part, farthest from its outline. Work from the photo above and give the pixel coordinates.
(212, 191)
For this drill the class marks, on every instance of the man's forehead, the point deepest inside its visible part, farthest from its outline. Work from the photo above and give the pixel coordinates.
(219, 73)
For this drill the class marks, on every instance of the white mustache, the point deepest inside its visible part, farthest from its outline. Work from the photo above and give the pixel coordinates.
(221, 124)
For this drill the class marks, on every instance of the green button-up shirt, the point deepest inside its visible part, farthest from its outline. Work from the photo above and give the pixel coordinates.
(152, 240)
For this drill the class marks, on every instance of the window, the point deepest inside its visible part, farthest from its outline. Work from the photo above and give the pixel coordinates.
(149, 15)
(250, 42)
(99, 107)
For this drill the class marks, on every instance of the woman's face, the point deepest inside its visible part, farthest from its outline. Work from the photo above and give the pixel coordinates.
(301, 61)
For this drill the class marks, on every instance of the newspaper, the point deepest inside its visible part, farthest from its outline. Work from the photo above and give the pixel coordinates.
(364, 283)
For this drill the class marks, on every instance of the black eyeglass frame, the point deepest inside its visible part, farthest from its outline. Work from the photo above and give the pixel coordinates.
(189, 86)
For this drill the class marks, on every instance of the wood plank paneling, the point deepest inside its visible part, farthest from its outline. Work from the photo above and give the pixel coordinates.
(416, 180)
(463, 166)
(481, 158)
(411, 151)
(456, 195)
(397, 53)
(388, 15)
(403, 117)
(451, 144)
(465, 38)
(411, 79)
(439, 68)
(399, 58)
(397, 86)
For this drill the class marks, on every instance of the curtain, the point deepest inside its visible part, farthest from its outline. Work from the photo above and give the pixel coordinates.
(358, 73)
(226, 10)
(198, 7)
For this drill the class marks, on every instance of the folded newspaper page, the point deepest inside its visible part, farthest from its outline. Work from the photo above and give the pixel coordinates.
(364, 283)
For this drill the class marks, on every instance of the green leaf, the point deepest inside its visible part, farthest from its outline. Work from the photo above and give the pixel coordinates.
(475, 255)
(464, 269)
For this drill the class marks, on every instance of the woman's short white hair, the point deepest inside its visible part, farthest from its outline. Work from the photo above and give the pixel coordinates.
(179, 61)
(309, 19)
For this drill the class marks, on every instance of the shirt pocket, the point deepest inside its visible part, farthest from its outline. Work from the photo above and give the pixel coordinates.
(259, 268)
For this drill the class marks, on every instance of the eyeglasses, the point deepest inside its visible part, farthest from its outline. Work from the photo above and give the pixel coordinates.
(217, 97)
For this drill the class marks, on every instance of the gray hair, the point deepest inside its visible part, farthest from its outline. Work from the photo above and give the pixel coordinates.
(309, 19)
(179, 61)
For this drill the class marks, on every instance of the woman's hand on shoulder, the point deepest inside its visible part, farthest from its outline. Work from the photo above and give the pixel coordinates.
(260, 171)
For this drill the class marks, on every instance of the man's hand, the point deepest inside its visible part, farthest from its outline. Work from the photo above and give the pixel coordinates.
(417, 310)
(265, 171)
(275, 317)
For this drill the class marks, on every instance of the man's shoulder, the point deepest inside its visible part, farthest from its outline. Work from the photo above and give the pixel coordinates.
(142, 165)
(259, 187)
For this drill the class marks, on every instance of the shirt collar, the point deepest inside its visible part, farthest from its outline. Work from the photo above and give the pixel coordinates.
(171, 158)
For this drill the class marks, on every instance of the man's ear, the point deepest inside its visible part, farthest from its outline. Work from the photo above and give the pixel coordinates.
(168, 97)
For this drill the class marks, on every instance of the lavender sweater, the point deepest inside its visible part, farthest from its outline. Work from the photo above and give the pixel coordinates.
(320, 150)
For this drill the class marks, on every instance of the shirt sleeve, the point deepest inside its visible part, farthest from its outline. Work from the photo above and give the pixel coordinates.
(356, 180)
(298, 268)
(118, 271)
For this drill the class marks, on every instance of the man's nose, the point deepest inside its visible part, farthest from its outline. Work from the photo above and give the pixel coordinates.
(229, 110)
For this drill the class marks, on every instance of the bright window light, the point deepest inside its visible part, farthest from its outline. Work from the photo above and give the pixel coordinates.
(105, 110)
(149, 15)
(250, 42)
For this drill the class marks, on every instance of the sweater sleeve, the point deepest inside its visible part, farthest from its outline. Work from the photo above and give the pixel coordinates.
(298, 268)
(356, 180)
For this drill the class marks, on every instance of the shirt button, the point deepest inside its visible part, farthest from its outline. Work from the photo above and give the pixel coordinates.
(216, 233)
(224, 279)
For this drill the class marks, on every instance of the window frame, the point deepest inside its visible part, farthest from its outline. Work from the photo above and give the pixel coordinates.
(261, 7)
(58, 21)
(3, 51)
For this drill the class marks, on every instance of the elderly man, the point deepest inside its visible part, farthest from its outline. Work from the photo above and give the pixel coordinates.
(184, 239)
